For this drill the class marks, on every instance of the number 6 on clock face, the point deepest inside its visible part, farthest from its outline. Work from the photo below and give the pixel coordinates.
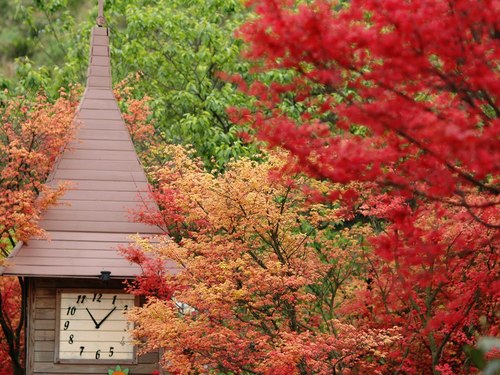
(92, 326)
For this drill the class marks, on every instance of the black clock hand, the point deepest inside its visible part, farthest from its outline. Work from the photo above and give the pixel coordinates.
(96, 324)
(106, 317)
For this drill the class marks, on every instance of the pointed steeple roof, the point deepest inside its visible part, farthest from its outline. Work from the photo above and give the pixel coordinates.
(93, 217)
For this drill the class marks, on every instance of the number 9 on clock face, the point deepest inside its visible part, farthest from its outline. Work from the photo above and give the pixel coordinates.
(92, 326)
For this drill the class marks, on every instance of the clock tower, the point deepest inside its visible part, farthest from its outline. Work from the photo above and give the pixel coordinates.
(76, 305)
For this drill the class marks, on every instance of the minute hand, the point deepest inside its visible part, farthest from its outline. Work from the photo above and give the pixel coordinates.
(106, 317)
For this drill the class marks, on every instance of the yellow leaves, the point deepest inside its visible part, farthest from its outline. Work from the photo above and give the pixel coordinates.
(249, 214)
(153, 316)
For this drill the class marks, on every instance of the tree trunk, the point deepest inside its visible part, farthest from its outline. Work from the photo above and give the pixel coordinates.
(18, 369)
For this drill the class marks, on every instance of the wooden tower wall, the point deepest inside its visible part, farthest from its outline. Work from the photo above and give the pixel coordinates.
(41, 332)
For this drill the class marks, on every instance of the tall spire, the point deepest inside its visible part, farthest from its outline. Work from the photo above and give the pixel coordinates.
(101, 21)
(99, 72)
(108, 181)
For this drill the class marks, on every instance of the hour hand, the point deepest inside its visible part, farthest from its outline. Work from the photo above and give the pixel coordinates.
(93, 319)
(106, 317)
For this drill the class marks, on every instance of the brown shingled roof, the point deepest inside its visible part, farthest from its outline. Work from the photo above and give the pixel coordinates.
(108, 181)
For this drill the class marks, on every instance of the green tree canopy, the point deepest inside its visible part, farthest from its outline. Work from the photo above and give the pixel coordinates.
(178, 48)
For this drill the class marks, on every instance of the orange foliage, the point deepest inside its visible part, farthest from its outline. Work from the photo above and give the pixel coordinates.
(32, 135)
(277, 276)
(136, 113)
(263, 272)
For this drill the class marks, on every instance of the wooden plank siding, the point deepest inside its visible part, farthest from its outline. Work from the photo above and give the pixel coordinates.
(42, 331)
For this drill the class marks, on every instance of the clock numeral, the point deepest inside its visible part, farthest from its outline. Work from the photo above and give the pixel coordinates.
(97, 297)
(81, 350)
(125, 307)
(114, 300)
(71, 337)
(111, 352)
(71, 310)
(98, 354)
(122, 343)
(81, 298)
(66, 325)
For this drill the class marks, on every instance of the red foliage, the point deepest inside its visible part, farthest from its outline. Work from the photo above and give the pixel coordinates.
(10, 308)
(419, 75)
(151, 282)
(401, 97)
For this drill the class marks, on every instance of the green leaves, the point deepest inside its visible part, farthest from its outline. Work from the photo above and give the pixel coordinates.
(179, 48)
(478, 355)
(46, 45)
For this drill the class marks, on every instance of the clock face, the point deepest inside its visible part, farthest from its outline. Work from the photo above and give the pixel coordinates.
(92, 326)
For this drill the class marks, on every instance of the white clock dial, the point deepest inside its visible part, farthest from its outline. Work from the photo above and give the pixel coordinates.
(93, 326)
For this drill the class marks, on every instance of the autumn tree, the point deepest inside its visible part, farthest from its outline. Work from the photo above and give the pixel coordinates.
(400, 98)
(262, 275)
(32, 134)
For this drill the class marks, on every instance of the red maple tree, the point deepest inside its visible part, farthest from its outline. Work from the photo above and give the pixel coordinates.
(400, 97)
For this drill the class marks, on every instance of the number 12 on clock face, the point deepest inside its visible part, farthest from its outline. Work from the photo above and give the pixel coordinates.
(93, 326)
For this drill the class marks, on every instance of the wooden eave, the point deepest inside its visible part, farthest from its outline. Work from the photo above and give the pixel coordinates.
(93, 217)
